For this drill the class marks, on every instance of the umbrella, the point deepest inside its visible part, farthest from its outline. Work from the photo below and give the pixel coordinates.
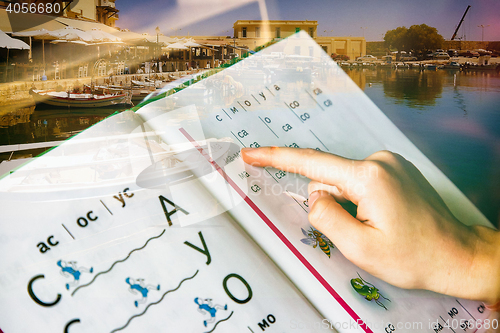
(127, 35)
(177, 46)
(159, 38)
(70, 33)
(11, 43)
(102, 36)
(57, 41)
(42, 34)
(192, 44)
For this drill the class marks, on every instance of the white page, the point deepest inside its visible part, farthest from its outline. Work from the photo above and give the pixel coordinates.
(293, 94)
(85, 249)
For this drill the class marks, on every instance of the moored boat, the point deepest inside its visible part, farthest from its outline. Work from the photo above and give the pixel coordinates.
(431, 67)
(452, 65)
(70, 100)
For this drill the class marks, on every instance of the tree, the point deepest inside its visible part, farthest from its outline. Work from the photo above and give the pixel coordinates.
(396, 38)
(421, 38)
(417, 38)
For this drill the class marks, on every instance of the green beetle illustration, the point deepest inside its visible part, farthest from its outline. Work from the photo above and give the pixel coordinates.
(368, 290)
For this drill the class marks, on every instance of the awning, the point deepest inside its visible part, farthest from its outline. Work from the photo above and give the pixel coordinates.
(12, 43)
(86, 25)
(23, 22)
(212, 42)
(26, 22)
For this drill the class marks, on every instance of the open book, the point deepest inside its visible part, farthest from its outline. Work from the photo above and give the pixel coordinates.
(149, 221)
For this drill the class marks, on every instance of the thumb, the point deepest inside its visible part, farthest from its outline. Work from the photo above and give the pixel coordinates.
(347, 233)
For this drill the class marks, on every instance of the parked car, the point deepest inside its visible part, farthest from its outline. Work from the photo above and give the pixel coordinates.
(408, 58)
(468, 53)
(453, 53)
(482, 52)
(429, 55)
(441, 55)
(367, 57)
(342, 57)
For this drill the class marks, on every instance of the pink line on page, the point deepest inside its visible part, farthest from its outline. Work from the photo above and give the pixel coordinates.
(280, 235)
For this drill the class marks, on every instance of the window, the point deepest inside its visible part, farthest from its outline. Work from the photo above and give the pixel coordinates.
(257, 31)
(243, 32)
(297, 29)
(278, 32)
(311, 32)
(311, 51)
(297, 50)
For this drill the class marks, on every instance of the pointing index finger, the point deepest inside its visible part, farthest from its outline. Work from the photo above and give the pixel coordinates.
(320, 166)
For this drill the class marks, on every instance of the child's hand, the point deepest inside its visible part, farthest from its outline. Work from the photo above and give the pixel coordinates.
(403, 232)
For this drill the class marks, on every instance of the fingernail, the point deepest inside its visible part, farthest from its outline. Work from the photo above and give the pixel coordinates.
(313, 197)
(250, 152)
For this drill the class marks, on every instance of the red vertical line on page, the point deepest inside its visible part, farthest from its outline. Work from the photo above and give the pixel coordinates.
(280, 235)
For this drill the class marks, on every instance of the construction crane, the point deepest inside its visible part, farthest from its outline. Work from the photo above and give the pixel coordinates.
(461, 21)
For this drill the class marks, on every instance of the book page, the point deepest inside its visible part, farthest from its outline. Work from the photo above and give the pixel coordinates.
(292, 94)
(84, 248)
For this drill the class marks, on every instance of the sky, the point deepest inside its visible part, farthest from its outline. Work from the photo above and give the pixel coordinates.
(368, 18)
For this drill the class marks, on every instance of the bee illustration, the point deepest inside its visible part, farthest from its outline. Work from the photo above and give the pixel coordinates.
(368, 290)
(315, 238)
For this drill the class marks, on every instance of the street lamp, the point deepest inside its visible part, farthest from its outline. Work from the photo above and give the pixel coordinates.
(363, 28)
(157, 30)
(482, 26)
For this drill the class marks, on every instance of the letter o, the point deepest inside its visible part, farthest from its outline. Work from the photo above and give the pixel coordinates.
(245, 283)
(271, 319)
(84, 223)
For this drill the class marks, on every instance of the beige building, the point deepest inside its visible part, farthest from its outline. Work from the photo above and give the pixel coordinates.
(103, 11)
(253, 33)
(249, 34)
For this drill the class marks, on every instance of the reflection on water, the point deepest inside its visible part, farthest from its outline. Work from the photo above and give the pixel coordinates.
(29, 125)
(451, 116)
(12, 116)
(413, 88)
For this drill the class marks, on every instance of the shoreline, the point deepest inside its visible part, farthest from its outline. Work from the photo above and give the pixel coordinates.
(15, 95)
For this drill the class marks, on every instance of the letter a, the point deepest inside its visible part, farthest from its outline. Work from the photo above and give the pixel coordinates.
(167, 213)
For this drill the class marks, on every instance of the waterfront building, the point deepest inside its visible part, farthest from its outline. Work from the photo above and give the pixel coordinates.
(102, 11)
(253, 33)
(250, 34)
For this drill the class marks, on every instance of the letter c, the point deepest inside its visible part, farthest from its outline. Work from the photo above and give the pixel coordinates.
(36, 299)
(74, 321)
(218, 118)
(49, 240)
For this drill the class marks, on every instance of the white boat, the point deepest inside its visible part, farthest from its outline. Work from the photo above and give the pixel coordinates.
(70, 100)
(452, 65)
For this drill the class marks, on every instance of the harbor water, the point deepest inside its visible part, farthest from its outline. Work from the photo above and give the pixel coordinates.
(452, 116)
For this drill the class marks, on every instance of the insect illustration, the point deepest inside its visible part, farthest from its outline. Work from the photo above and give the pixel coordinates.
(368, 290)
(315, 238)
